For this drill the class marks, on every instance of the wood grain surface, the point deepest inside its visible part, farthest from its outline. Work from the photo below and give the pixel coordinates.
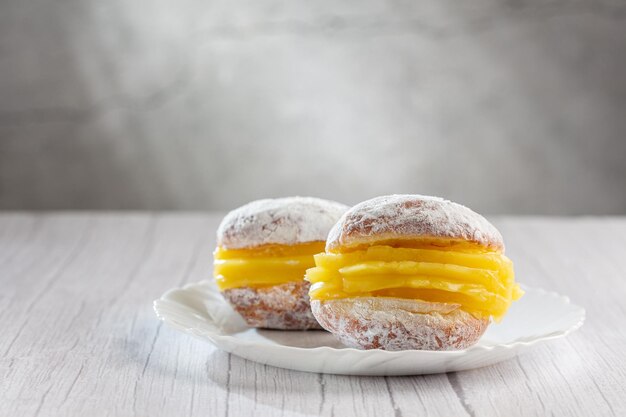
(79, 337)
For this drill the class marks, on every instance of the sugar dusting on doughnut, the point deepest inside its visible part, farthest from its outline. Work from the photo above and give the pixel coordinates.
(285, 306)
(285, 221)
(410, 216)
(398, 324)
(390, 323)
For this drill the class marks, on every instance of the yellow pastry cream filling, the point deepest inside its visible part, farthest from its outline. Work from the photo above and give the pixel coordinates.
(482, 282)
(263, 266)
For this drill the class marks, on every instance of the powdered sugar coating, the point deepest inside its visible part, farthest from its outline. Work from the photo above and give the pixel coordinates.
(284, 306)
(286, 221)
(398, 324)
(411, 216)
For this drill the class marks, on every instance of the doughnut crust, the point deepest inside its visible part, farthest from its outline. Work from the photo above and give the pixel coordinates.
(398, 217)
(285, 306)
(398, 324)
(284, 221)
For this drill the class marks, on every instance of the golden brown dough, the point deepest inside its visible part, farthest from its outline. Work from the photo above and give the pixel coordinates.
(398, 324)
(284, 306)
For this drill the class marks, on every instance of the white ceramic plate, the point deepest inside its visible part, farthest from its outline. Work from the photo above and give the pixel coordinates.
(198, 309)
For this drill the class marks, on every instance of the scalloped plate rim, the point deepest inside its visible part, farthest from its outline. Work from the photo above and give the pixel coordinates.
(215, 337)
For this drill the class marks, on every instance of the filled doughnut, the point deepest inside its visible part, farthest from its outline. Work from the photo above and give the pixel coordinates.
(263, 250)
(411, 272)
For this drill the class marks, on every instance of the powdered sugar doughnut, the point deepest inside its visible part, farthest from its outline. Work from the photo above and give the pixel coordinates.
(399, 323)
(282, 221)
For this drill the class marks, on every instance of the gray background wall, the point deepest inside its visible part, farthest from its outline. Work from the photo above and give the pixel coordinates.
(507, 106)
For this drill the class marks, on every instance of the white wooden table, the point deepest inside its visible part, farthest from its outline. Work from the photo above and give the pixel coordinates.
(79, 337)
